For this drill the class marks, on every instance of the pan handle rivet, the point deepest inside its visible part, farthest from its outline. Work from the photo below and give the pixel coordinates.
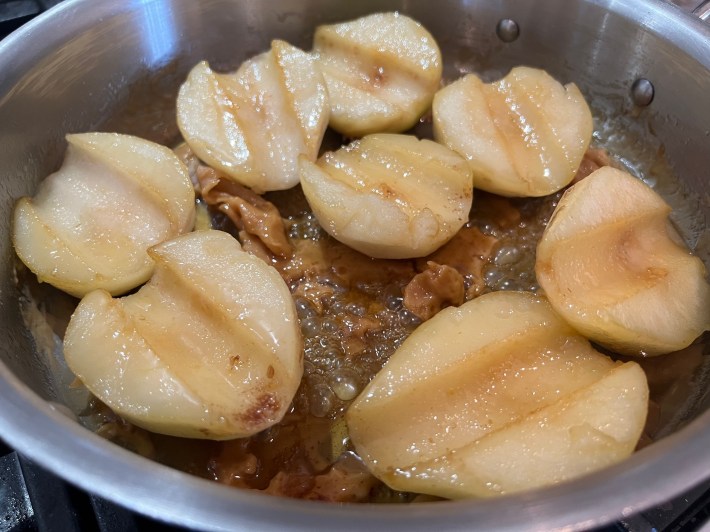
(642, 92)
(507, 30)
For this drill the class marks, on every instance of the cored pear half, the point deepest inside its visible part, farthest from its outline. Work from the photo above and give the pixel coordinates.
(496, 396)
(91, 223)
(382, 71)
(209, 348)
(613, 266)
(388, 195)
(524, 135)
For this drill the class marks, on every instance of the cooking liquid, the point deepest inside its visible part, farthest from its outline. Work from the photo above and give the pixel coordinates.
(298, 453)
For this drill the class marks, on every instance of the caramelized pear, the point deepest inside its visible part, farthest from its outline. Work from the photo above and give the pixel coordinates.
(210, 347)
(389, 196)
(496, 396)
(254, 123)
(614, 267)
(524, 135)
(381, 70)
(91, 223)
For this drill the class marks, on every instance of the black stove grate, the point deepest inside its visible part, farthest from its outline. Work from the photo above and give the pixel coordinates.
(14, 13)
(34, 500)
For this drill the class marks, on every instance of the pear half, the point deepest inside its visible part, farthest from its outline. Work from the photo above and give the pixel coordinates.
(614, 267)
(382, 71)
(254, 123)
(210, 347)
(389, 196)
(91, 223)
(496, 396)
(524, 135)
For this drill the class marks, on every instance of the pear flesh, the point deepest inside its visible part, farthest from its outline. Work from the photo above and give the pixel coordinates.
(209, 348)
(253, 124)
(614, 267)
(389, 195)
(381, 70)
(91, 223)
(524, 135)
(496, 396)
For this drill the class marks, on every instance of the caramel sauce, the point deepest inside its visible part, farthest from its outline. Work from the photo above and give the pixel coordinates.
(352, 318)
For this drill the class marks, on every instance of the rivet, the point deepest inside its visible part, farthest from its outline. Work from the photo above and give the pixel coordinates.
(507, 30)
(642, 92)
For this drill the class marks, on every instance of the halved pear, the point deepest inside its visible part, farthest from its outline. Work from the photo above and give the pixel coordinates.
(389, 196)
(496, 396)
(590, 429)
(91, 223)
(210, 347)
(381, 70)
(524, 135)
(614, 267)
(254, 123)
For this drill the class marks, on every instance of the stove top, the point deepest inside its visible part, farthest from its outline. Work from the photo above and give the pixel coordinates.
(32, 499)
(14, 13)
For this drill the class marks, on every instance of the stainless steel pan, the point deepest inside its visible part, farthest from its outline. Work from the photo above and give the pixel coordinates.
(102, 64)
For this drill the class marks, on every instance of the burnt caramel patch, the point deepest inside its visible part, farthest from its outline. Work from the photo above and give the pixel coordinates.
(467, 252)
(265, 409)
(430, 291)
(251, 213)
